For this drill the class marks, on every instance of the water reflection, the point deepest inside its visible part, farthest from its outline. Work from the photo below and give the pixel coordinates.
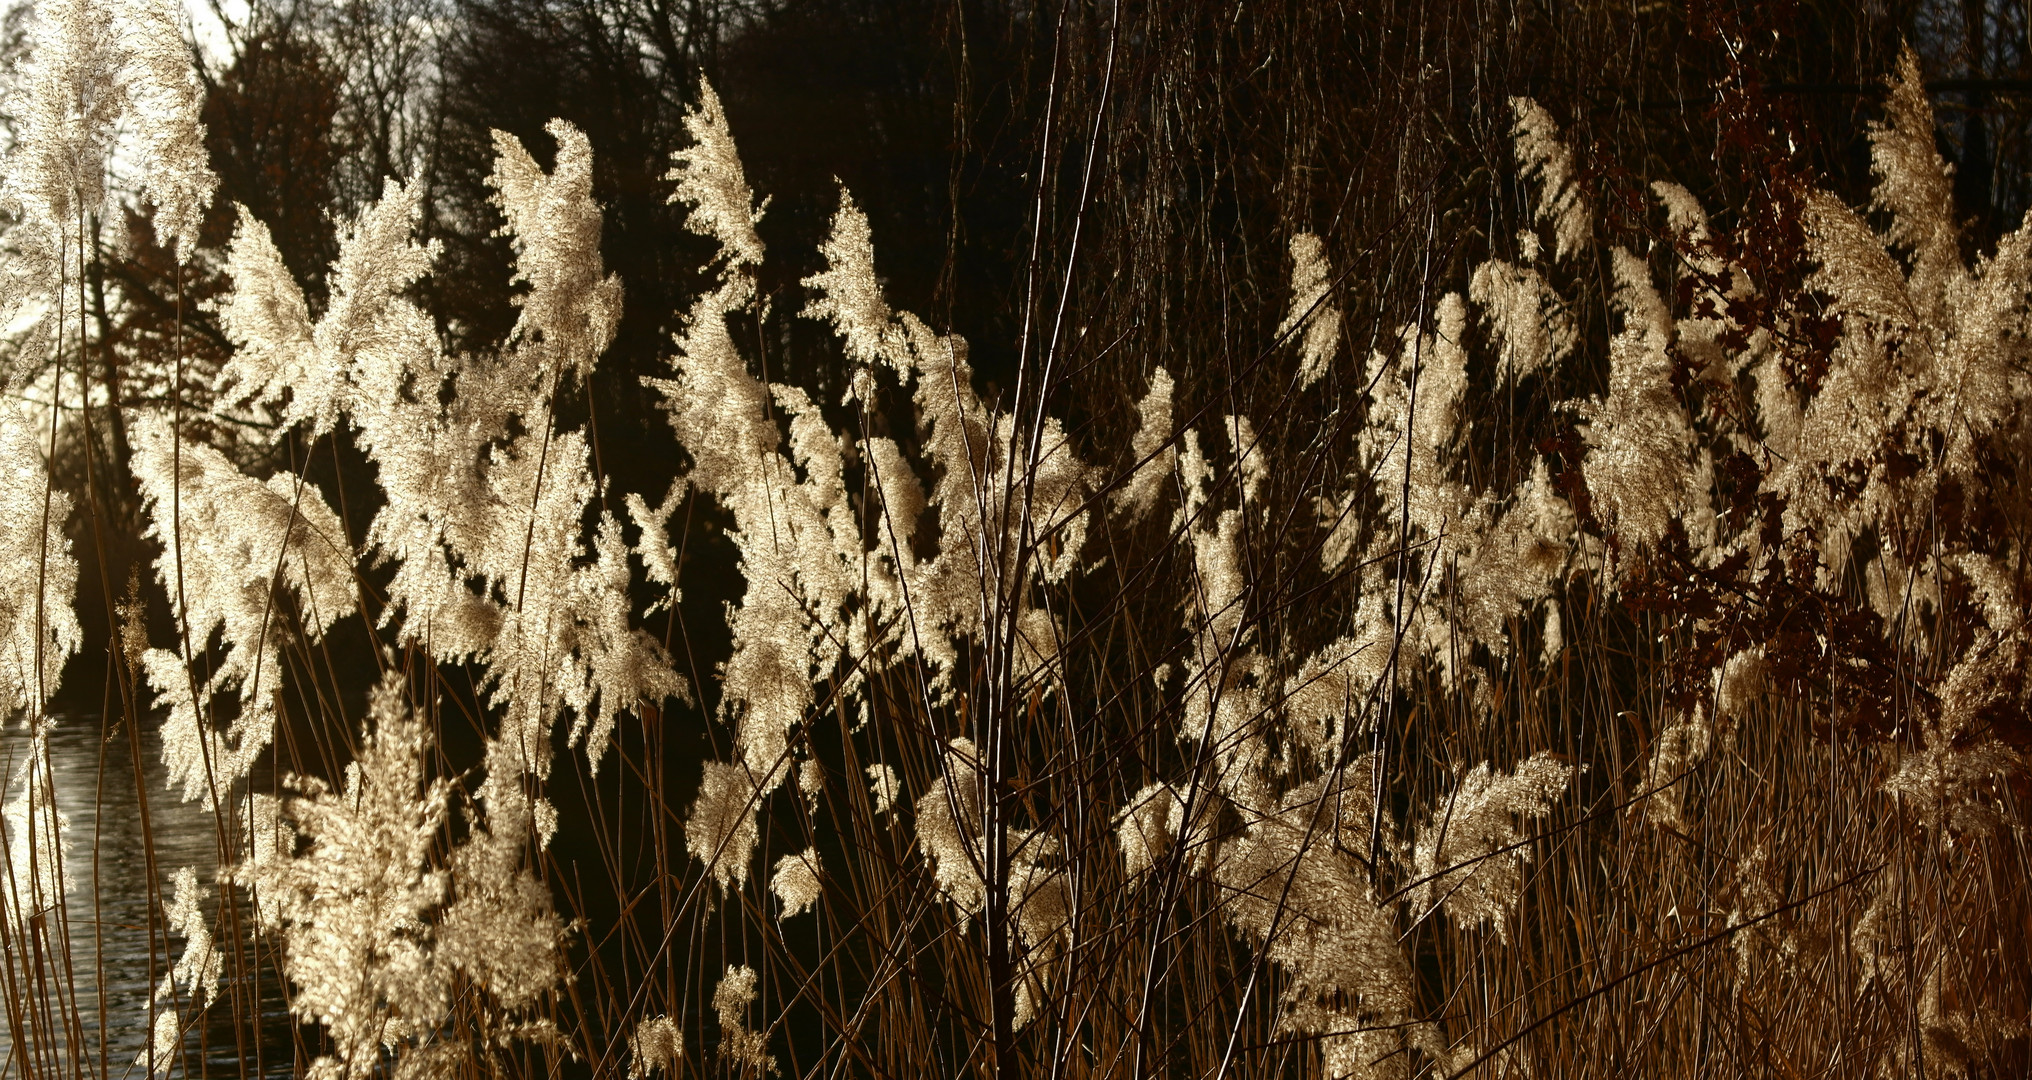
(108, 920)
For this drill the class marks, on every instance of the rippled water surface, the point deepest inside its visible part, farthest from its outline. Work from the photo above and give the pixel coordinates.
(108, 920)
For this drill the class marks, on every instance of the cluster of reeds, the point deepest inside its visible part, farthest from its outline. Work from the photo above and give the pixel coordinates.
(1466, 733)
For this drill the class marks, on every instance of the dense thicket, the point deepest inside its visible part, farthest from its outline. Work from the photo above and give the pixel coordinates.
(1155, 538)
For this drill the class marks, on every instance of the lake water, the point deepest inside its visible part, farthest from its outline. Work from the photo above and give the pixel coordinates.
(108, 920)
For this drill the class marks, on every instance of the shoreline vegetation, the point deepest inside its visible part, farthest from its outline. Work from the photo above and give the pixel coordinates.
(1607, 657)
